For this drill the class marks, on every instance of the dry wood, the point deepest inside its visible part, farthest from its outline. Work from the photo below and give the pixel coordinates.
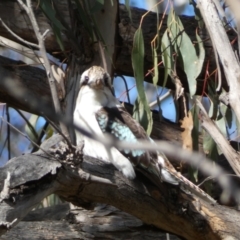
(166, 208)
(61, 222)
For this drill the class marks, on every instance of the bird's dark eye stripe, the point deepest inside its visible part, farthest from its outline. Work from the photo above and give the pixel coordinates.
(106, 80)
(86, 79)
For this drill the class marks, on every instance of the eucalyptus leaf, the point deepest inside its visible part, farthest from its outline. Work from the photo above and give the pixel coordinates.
(127, 4)
(83, 15)
(144, 114)
(98, 5)
(57, 26)
(155, 62)
(214, 100)
(195, 130)
(209, 146)
(166, 49)
(229, 117)
(50, 13)
(192, 64)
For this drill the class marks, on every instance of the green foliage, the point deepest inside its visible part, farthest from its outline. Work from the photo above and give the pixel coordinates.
(84, 18)
(49, 201)
(57, 26)
(167, 56)
(195, 140)
(97, 6)
(217, 112)
(175, 37)
(195, 130)
(127, 4)
(142, 111)
(209, 146)
(155, 65)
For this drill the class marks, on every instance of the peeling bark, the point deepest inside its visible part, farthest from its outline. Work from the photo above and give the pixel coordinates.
(61, 222)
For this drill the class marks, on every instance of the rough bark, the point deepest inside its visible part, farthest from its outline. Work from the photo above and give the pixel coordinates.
(61, 222)
(92, 180)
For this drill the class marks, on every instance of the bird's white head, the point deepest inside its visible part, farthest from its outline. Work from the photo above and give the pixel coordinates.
(96, 78)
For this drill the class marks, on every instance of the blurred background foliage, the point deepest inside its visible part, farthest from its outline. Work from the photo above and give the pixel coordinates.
(167, 50)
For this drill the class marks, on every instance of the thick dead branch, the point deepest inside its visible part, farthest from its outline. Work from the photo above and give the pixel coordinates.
(104, 221)
(34, 176)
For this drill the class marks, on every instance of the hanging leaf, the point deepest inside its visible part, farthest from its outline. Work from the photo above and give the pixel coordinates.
(195, 130)
(127, 4)
(50, 12)
(84, 18)
(97, 6)
(154, 46)
(166, 49)
(226, 113)
(142, 110)
(155, 62)
(57, 26)
(229, 117)
(214, 101)
(209, 146)
(192, 64)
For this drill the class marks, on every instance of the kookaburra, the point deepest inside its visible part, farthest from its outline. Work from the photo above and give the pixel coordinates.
(98, 111)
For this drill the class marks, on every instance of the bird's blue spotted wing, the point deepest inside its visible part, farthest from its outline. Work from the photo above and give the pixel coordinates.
(119, 123)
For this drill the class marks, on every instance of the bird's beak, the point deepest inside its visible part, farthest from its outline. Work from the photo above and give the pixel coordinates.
(98, 84)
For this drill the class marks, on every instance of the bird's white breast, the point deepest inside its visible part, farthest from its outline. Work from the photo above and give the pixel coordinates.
(89, 101)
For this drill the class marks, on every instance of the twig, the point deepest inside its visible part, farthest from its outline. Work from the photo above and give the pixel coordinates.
(4, 194)
(29, 11)
(91, 178)
(160, 98)
(8, 133)
(19, 38)
(126, 86)
(39, 138)
(218, 69)
(211, 178)
(27, 137)
(59, 131)
(45, 33)
(27, 122)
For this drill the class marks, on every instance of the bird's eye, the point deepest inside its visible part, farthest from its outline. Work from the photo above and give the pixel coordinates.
(85, 81)
(106, 81)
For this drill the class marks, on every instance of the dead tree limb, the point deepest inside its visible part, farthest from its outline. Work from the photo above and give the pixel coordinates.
(34, 176)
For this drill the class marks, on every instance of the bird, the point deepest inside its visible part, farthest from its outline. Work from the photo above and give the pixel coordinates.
(99, 111)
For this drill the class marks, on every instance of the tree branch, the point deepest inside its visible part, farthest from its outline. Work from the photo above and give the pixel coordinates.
(226, 54)
(166, 208)
(41, 45)
(61, 222)
(229, 152)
